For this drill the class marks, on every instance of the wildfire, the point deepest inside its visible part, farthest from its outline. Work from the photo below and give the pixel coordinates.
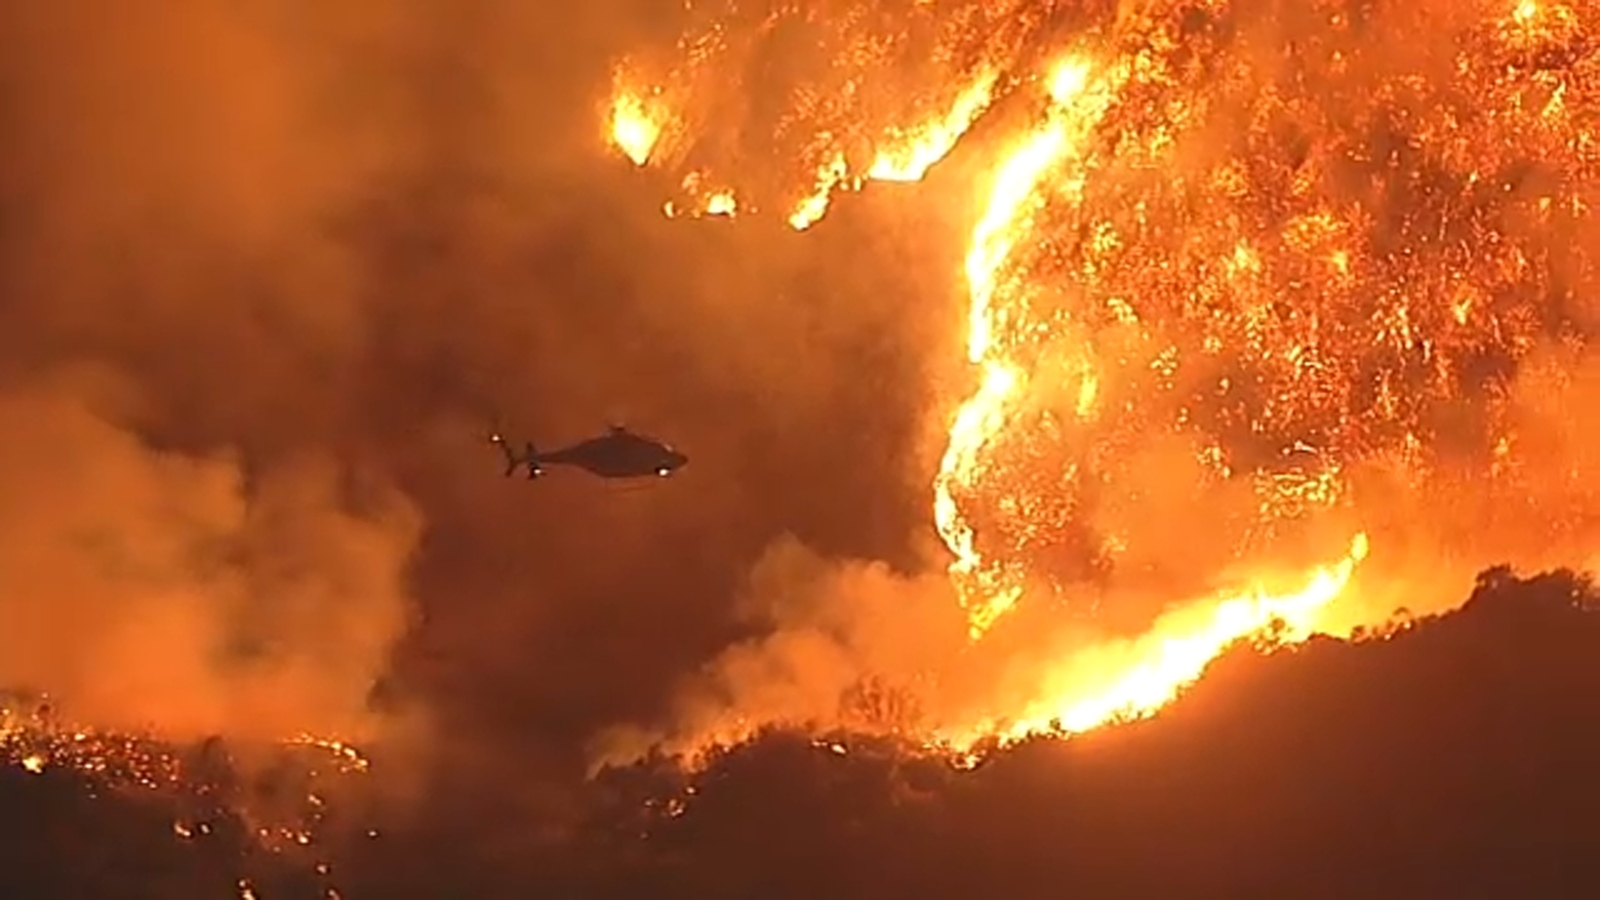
(35, 739)
(909, 156)
(989, 592)
(36, 742)
(637, 121)
(813, 206)
(1174, 654)
(1249, 271)
(839, 131)
(1293, 328)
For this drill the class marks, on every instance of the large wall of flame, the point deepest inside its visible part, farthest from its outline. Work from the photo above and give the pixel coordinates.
(269, 269)
(179, 553)
(1326, 266)
(1310, 244)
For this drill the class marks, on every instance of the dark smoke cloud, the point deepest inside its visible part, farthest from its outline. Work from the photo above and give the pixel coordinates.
(268, 270)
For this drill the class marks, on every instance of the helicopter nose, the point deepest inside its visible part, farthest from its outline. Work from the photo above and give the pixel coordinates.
(673, 462)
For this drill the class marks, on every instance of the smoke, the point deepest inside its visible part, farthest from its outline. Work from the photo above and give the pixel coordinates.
(158, 591)
(270, 269)
(829, 635)
(1177, 531)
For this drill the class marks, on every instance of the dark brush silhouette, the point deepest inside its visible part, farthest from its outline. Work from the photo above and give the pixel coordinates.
(1446, 756)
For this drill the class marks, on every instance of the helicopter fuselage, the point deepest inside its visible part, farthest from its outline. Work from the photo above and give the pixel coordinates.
(618, 455)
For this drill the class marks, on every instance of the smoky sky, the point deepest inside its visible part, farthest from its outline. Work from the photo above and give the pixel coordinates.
(269, 271)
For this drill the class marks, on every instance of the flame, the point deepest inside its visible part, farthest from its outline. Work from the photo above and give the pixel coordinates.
(636, 123)
(721, 203)
(989, 593)
(1300, 250)
(830, 177)
(841, 132)
(906, 155)
(37, 742)
(36, 739)
(1293, 329)
(1175, 653)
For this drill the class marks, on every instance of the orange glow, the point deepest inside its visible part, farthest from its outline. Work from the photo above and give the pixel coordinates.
(1083, 696)
(909, 155)
(38, 740)
(989, 591)
(1232, 283)
(637, 120)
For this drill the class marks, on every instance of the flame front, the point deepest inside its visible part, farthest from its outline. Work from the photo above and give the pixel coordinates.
(1250, 274)
(637, 119)
(37, 739)
(840, 132)
(988, 591)
(909, 156)
(1173, 655)
(1235, 262)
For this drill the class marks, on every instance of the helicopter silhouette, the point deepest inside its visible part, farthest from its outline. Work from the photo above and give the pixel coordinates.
(619, 453)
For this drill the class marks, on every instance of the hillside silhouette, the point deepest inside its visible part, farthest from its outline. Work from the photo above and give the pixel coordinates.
(1453, 756)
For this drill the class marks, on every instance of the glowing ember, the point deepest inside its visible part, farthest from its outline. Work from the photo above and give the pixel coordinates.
(909, 156)
(197, 780)
(722, 203)
(1242, 273)
(36, 742)
(841, 131)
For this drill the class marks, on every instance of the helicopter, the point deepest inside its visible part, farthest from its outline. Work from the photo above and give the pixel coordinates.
(618, 453)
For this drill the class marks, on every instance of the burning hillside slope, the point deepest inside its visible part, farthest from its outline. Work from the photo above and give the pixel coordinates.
(1247, 281)
(1448, 758)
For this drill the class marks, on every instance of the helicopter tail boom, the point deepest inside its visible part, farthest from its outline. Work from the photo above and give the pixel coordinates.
(529, 457)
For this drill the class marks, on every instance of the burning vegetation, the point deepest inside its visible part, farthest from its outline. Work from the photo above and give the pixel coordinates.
(1364, 766)
(272, 802)
(1245, 281)
(1257, 297)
